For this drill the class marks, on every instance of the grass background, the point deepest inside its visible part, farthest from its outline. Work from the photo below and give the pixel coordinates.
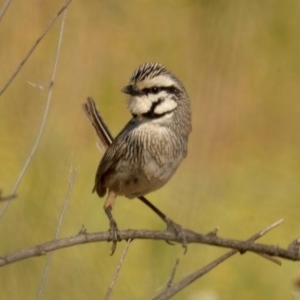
(240, 63)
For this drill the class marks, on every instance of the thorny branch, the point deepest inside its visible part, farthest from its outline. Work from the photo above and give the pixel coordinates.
(173, 289)
(291, 253)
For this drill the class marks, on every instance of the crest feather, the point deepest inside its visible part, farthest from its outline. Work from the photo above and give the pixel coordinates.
(148, 70)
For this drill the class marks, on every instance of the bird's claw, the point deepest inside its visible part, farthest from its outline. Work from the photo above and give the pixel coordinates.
(179, 232)
(115, 237)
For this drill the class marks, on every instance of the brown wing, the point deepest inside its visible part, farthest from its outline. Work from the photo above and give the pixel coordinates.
(114, 149)
(115, 152)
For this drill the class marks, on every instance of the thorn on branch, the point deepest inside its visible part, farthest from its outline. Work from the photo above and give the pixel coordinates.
(6, 198)
(82, 230)
(213, 232)
(294, 246)
(41, 251)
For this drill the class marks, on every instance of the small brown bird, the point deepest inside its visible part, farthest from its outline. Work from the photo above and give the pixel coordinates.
(147, 152)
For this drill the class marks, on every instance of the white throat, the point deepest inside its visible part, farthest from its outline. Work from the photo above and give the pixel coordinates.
(142, 104)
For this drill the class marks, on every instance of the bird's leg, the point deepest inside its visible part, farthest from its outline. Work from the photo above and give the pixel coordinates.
(113, 228)
(171, 225)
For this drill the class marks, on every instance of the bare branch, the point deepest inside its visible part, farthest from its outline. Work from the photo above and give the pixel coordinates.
(74, 173)
(62, 214)
(171, 279)
(270, 258)
(174, 289)
(109, 291)
(4, 8)
(24, 60)
(191, 237)
(48, 101)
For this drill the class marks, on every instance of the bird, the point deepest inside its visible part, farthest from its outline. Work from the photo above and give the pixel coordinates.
(146, 153)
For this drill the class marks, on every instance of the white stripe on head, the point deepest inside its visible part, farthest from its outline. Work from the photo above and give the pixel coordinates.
(160, 81)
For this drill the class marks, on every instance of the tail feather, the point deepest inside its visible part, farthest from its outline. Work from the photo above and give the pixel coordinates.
(104, 135)
(102, 131)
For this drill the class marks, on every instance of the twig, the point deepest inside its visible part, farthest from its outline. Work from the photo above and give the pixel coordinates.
(24, 60)
(6, 198)
(110, 289)
(62, 214)
(73, 175)
(45, 115)
(4, 8)
(191, 237)
(171, 279)
(174, 289)
(270, 258)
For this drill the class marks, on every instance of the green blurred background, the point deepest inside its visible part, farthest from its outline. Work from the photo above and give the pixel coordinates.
(240, 63)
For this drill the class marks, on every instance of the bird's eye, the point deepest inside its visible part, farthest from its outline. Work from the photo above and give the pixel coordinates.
(155, 90)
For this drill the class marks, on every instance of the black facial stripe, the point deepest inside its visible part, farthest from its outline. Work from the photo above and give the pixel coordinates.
(151, 114)
(156, 89)
(131, 90)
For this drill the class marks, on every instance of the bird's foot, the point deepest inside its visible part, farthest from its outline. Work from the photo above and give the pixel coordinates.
(115, 237)
(179, 233)
(113, 229)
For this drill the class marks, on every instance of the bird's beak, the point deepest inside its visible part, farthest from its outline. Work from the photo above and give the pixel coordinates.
(128, 89)
(131, 90)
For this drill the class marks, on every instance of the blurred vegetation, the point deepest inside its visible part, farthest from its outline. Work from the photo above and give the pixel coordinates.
(240, 63)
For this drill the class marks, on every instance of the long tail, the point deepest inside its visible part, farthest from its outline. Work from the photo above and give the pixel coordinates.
(102, 131)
